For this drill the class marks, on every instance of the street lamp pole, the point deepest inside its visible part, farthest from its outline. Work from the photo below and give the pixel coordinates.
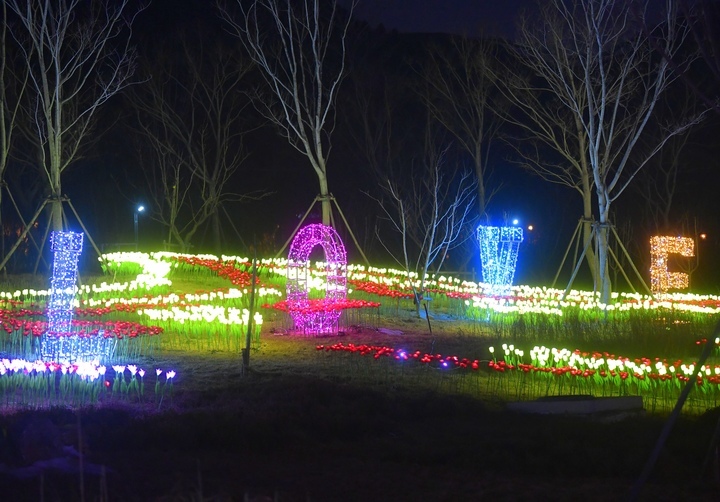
(138, 210)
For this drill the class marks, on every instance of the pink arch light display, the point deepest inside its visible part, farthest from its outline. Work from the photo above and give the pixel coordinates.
(307, 317)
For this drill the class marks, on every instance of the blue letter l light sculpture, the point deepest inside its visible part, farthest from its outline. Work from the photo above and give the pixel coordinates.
(498, 253)
(66, 248)
(60, 343)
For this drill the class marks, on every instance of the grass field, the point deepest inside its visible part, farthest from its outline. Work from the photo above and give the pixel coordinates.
(309, 422)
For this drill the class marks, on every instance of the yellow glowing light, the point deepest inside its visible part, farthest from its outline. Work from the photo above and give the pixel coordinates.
(661, 279)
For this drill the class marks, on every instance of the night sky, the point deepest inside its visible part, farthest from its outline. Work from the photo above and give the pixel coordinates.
(460, 17)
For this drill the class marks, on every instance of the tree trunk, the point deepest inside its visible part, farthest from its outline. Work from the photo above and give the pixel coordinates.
(178, 238)
(325, 198)
(587, 230)
(481, 195)
(55, 211)
(604, 248)
(588, 220)
(604, 269)
(217, 238)
(55, 215)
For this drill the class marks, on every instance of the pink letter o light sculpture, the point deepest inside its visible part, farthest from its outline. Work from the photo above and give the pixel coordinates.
(316, 317)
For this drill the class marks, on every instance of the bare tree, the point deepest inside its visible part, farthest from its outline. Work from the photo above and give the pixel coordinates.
(192, 111)
(13, 82)
(596, 59)
(383, 120)
(541, 124)
(430, 208)
(461, 95)
(300, 48)
(78, 56)
(170, 188)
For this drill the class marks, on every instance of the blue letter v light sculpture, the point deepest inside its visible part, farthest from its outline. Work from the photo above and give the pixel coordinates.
(498, 254)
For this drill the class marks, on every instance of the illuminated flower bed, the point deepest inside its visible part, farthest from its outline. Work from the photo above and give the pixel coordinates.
(324, 304)
(477, 296)
(512, 375)
(39, 384)
(24, 330)
(11, 322)
(562, 371)
(379, 282)
(381, 351)
(138, 309)
(550, 371)
(322, 313)
(182, 319)
(223, 268)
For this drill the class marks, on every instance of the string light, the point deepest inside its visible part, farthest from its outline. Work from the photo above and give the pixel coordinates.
(661, 279)
(298, 272)
(59, 343)
(70, 349)
(498, 253)
(66, 248)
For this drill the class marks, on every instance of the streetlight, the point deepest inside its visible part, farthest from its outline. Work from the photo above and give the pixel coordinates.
(138, 210)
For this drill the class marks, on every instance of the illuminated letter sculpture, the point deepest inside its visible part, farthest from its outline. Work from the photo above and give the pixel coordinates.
(662, 280)
(66, 248)
(59, 343)
(316, 318)
(498, 254)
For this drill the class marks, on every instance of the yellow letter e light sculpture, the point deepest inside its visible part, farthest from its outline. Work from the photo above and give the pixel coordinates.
(661, 279)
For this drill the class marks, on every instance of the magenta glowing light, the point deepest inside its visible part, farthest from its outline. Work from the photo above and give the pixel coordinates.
(318, 320)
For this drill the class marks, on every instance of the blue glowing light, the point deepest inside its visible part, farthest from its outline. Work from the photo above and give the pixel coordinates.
(66, 248)
(59, 343)
(70, 348)
(498, 253)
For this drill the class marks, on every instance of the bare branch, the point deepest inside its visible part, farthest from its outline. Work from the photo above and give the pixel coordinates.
(300, 48)
(461, 94)
(191, 111)
(430, 211)
(596, 61)
(78, 57)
